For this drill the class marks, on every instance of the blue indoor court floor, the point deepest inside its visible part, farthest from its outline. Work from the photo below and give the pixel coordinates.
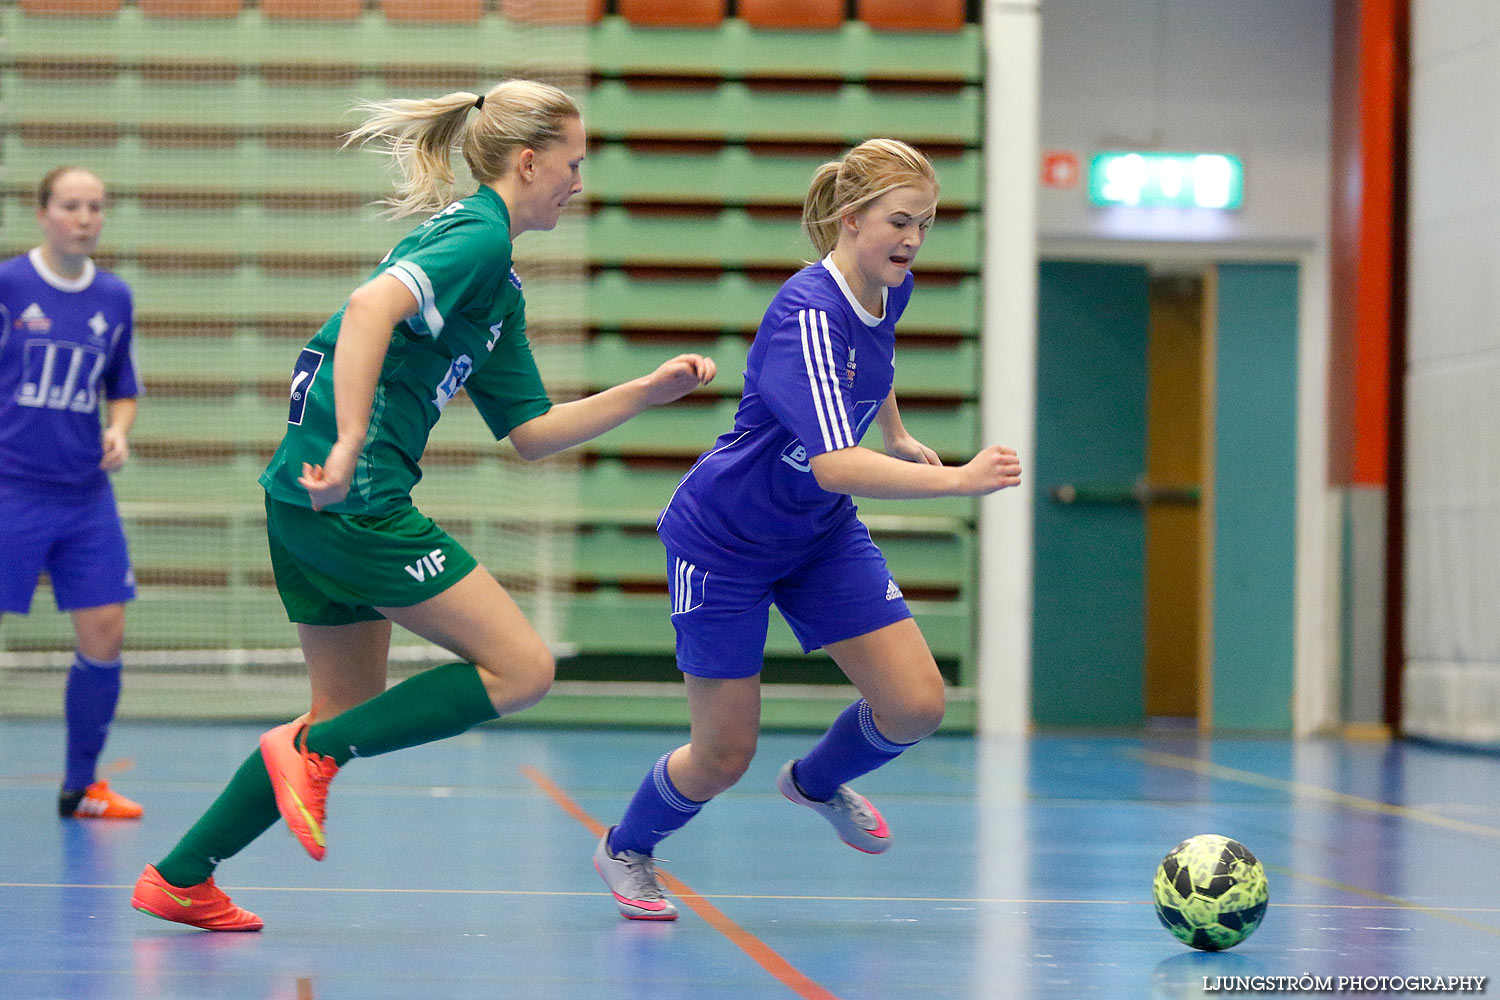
(1020, 869)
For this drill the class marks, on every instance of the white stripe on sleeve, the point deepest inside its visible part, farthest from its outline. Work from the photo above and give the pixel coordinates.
(809, 354)
(827, 380)
(416, 281)
(838, 397)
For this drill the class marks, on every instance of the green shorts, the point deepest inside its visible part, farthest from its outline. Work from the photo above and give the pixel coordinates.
(335, 569)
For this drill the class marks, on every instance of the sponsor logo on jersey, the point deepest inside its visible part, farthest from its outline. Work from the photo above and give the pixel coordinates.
(458, 373)
(33, 320)
(849, 368)
(795, 455)
(428, 566)
(98, 324)
(60, 375)
(892, 592)
(515, 279)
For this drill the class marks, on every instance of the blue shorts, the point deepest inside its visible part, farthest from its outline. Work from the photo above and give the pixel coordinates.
(842, 589)
(76, 536)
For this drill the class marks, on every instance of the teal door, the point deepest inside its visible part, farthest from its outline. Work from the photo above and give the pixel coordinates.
(1088, 643)
(1255, 497)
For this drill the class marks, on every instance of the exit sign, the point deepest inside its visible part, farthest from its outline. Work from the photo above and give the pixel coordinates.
(1177, 180)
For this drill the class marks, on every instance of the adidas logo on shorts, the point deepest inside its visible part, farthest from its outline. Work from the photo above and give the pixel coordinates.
(891, 590)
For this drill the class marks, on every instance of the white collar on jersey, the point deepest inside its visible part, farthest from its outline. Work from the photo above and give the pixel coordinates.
(56, 280)
(864, 314)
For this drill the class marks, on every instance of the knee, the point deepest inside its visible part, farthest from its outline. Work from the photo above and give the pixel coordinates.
(916, 716)
(928, 713)
(534, 673)
(523, 680)
(101, 634)
(721, 767)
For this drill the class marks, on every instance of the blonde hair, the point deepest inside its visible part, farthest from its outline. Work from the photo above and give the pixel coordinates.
(420, 136)
(866, 172)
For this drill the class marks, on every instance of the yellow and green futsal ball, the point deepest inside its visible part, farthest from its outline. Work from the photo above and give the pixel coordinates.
(1210, 892)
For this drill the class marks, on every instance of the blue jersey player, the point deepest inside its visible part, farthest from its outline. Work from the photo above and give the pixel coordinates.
(765, 517)
(65, 347)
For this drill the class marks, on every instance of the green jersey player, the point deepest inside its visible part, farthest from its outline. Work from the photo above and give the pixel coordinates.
(350, 552)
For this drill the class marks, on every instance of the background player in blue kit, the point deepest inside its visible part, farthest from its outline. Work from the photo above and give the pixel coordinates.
(765, 516)
(65, 345)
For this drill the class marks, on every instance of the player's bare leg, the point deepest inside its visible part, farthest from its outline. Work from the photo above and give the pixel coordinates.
(902, 703)
(895, 672)
(477, 620)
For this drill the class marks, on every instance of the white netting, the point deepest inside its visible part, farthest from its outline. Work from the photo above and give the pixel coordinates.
(241, 226)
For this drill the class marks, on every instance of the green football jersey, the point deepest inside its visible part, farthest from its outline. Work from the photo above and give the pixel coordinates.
(469, 331)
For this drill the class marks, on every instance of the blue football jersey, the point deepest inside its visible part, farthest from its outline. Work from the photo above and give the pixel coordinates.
(63, 345)
(818, 371)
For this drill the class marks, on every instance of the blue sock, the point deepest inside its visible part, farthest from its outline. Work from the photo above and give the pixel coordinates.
(657, 809)
(89, 705)
(851, 747)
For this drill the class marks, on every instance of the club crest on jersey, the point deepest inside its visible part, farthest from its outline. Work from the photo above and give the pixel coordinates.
(458, 373)
(98, 324)
(849, 369)
(795, 455)
(33, 320)
(515, 279)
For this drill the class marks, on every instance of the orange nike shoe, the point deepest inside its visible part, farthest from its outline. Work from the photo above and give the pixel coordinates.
(99, 802)
(203, 905)
(300, 780)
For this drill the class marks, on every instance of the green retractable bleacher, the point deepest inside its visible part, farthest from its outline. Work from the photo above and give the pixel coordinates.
(240, 225)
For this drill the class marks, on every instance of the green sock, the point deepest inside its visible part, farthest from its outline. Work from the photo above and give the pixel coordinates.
(433, 705)
(244, 810)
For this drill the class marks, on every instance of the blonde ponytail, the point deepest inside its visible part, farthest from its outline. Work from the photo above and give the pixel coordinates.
(820, 214)
(420, 136)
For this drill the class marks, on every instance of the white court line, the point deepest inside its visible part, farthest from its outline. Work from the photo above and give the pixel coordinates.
(989, 900)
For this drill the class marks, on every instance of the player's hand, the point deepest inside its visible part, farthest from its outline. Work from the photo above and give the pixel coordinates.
(992, 469)
(678, 377)
(909, 449)
(328, 483)
(116, 451)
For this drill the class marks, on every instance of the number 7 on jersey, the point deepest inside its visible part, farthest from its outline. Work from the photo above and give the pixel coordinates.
(306, 369)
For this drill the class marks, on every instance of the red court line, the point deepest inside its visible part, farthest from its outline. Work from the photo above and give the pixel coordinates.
(751, 945)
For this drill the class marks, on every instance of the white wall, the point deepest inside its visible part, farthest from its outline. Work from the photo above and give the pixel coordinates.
(1250, 78)
(1452, 682)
